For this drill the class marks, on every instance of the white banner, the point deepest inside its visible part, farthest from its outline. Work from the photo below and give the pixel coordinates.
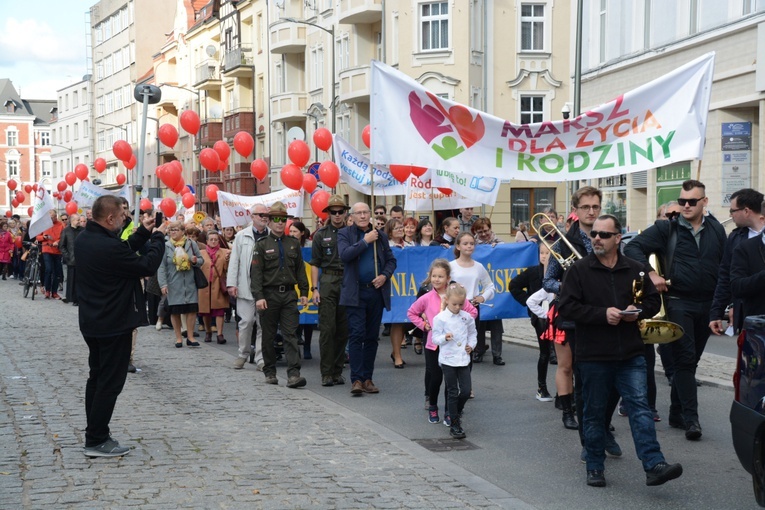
(658, 123)
(42, 204)
(355, 170)
(421, 195)
(235, 209)
(88, 192)
(482, 189)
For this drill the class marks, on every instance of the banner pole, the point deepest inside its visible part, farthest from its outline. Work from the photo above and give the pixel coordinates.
(372, 218)
(698, 171)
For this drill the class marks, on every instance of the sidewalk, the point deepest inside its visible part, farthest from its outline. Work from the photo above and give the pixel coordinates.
(203, 435)
(713, 369)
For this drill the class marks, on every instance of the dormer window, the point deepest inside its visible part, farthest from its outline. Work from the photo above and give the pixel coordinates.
(10, 106)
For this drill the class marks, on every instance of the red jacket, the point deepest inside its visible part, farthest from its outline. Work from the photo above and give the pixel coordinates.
(55, 237)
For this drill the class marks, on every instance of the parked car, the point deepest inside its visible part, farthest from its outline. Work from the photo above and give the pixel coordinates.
(747, 414)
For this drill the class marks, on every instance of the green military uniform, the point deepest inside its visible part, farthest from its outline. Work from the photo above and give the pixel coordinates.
(277, 266)
(333, 323)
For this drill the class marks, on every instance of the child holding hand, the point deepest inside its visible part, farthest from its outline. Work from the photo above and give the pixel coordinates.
(455, 333)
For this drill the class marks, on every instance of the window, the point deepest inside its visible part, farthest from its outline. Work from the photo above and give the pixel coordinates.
(99, 34)
(100, 105)
(532, 109)
(476, 30)
(45, 138)
(66, 102)
(343, 53)
(125, 56)
(261, 33)
(118, 60)
(279, 77)
(378, 46)
(344, 125)
(124, 16)
(75, 99)
(45, 168)
(110, 137)
(280, 147)
(99, 70)
(393, 59)
(532, 27)
(109, 102)
(602, 27)
(526, 202)
(127, 95)
(13, 137)
(434, 23)
(76, 129)
(108, 69)
(101, 141)
(116, 24)
(614, 196)
(317, 74)
(84, 96)
(117, 99)
(85, 129)
(66, 130)
(13, 168)
(107, 30)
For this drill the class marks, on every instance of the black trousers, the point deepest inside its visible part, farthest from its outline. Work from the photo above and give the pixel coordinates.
(71, 285)
(108, 361)
(458, 386)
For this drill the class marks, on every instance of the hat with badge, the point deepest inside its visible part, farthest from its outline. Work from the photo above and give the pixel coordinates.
(278, 209)
(335, 201)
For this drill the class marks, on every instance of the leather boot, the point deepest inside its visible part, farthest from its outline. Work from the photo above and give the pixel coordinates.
(569, 421)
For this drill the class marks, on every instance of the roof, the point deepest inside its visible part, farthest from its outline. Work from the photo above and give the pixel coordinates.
(39, 108)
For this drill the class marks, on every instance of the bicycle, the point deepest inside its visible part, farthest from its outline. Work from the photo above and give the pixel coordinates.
(32, 271)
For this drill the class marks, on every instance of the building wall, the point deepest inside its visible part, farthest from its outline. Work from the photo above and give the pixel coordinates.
(74, 109)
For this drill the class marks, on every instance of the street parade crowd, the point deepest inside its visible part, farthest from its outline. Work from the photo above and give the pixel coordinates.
(588, 299)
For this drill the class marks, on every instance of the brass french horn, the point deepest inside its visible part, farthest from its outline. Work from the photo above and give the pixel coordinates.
(657, 330)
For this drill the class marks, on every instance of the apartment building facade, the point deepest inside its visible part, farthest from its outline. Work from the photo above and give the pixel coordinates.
(70, 130)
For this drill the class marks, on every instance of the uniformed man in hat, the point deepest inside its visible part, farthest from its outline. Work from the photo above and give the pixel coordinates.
(277, 266)
(333, 323)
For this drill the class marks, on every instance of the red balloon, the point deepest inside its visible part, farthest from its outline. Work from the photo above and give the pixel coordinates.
(222, 164)
(29, 211)
(190, 122)
(20, 196)
(122, 150)
(61, 186)
(319, 202)
(299, 153)
(55, 194)
(70, 178)
(67, 195)
(168, 207)
(28, 188)
(329, 173)
(309, 183)
(400, 172)
(168, 135)
(243, 143)
(81, 171)
(259, 169)
(18, 241)
(71, 208)
(121, 179)
(34, 187)
(146, 205)
(209, 159)
(419, 171)
(8, 214)
(212, 192)
(222, 148)
(99, 164)
(171, 176)
(12, 184)
(188, 200)
(185, 191)
(322, 138)
(14, 203)
(366, 136)
(446, 191)
(292, 177)
(130, 164)
(178, 188)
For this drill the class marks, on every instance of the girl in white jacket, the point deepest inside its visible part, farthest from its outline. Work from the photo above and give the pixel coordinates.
(454, 332)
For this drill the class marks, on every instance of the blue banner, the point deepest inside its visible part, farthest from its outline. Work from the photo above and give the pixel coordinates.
(503, 262)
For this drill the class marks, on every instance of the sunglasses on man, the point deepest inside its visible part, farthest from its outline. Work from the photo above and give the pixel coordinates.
(279, 219)
(602, 235)
(690, 201)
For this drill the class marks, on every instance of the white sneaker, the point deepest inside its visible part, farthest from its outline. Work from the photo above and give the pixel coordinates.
(239, 363)
(158, 326)
(259, 367)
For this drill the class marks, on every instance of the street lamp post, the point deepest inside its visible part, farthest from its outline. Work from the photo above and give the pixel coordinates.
(331, 32)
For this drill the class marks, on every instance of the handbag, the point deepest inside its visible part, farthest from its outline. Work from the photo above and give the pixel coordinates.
(199, 278)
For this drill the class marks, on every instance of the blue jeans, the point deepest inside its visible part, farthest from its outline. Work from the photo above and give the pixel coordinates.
(364, 332)
(628, 377)
(54, 272)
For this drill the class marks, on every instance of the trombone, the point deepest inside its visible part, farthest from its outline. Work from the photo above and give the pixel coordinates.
(547, 230)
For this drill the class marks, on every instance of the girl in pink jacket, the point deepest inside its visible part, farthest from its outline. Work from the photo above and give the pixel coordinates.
(421, 314)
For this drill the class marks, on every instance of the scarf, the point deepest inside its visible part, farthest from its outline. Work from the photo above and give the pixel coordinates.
(213, 252)
(180, 257)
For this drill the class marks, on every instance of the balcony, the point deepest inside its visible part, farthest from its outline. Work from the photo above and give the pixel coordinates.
(355, 84)
(207, 75)
(287, 37)
(167, 101)
(359, 11)
(239, 180)
(210, 132)
(241, 119)
(289, 106)
(238, 62)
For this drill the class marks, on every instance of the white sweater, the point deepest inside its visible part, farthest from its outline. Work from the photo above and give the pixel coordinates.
(462, 326)
(471, 277)
(539, 303)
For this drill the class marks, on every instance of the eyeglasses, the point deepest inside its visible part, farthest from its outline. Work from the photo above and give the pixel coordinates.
(379, 213)
(262, 215)
(594, 208)
(602, 235)
(279, 219)
(690, 201)
(173, 230)
(337, 212)
(484, 231)
(731, 211)
(399, 228)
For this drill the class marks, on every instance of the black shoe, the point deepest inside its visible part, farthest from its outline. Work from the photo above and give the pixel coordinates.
(192, 344)
(569, 421)
(131, 368)
(662, 473)
(456, 431)
(693, 432)
(558, 405)
(477, 357)
(596, 478)
(65, 301)
(307, 355)
(676, 422)
(498, 360)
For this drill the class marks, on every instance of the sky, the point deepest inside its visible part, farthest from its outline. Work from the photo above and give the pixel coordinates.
(42, 45)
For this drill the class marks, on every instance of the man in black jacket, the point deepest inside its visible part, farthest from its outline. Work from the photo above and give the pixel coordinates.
(109, 273)
(597, 294)
(747, 276)
(745, 209)
(66, 245)
(691, 249)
